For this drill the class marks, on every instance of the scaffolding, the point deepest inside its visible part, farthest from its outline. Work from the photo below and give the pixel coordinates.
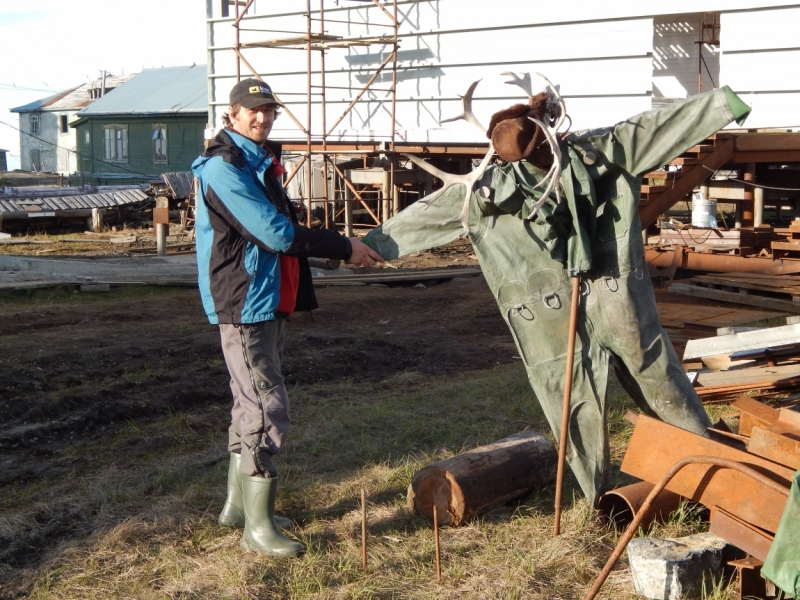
(314, 39)
(709, 36)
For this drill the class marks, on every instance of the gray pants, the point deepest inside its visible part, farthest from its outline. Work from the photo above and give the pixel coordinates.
(260, 414)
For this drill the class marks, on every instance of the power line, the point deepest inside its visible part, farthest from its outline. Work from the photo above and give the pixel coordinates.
(75, 152)
(13, 86)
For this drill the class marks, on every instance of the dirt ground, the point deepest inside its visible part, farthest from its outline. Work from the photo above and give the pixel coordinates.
(77, 368)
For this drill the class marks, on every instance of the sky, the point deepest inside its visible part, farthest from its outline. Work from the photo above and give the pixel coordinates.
(47, 46)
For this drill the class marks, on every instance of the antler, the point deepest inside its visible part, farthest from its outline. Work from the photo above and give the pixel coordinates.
(524, 82)
(553, 175)
(466, 112)
(550, 132)
(468, 181)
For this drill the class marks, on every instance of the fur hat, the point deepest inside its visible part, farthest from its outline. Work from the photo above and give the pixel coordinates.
(514, 136)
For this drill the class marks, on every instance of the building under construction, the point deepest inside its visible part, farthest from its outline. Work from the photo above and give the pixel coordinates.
(364, 81)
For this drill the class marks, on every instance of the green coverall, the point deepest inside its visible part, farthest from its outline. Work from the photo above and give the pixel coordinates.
(595, 233)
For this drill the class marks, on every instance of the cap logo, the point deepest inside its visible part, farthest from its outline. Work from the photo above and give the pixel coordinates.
(255, 89)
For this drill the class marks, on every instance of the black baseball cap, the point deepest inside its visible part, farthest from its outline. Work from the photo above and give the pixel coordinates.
(250, 93)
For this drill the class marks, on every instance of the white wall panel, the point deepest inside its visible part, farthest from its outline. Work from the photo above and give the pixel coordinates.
(599, 53)
(760, 29)
(762, 71)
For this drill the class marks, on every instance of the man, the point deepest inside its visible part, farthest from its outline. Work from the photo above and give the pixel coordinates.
(253, 273)
(595, 234)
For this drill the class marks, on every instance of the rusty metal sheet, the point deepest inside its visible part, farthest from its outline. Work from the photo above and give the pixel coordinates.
(789, 419)
(656, 446)
(741, 534)
(754, 413)
(780, 447)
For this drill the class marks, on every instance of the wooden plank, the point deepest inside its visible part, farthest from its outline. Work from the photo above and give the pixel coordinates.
(783, 288)
(747, 340)
(736, 298)
(774, 156)
(747, 376)
(673, 314)
(767, 141)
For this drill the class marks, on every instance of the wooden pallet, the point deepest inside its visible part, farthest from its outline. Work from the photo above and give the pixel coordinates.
(772, 292)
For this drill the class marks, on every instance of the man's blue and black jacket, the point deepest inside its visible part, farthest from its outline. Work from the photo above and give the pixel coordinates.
(244, 220)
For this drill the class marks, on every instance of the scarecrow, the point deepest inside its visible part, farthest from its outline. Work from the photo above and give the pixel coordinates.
(559, 206)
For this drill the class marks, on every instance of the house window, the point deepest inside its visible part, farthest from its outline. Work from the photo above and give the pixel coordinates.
(62, 123)
(34, 120)
(159, 144)
(87, 138)
(115, 143)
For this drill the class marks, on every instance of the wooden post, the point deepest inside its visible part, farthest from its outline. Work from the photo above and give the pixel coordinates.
(749, 196)
(436, 543)
(363, 530)
(565, 407)
(473, 482)
(348, 210)
(97, 220)
(758, 212)
(386, 194)
(161, 224)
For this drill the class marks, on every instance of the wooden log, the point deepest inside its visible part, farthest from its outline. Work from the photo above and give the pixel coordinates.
(473, 482)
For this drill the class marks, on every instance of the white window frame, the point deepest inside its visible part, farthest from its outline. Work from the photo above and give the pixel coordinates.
(160, 146)
(115, 143)
(33, 119)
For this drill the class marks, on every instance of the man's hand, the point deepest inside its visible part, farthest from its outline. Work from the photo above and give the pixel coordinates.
(362, 255)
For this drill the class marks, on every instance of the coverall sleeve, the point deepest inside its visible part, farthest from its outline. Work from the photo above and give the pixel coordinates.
(419, 227)
(653, 138)
(235, 197)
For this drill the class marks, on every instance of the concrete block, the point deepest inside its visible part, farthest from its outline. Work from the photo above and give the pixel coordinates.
(673, 569)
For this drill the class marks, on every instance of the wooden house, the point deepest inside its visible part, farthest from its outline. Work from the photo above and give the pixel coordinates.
(151, 125)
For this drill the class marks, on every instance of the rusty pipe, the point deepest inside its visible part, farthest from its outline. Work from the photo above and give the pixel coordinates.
(562, 442)
(637, 520)
(620, 505)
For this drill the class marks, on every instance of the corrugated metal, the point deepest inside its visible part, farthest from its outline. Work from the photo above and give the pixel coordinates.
(34, 205)
(170, 90)
(179, 183)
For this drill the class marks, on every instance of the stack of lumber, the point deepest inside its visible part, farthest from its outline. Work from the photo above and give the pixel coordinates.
(705, 321)
(757, 361)
(771, 292)
(790, 248)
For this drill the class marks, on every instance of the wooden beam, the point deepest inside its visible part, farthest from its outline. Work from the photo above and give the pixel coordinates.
(767, 156)
(767, 141)
(690, 178)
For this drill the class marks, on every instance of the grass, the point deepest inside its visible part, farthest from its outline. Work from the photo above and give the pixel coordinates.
(147, 510)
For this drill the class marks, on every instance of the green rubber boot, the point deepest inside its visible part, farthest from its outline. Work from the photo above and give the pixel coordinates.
(232, 514)
(260, 533)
